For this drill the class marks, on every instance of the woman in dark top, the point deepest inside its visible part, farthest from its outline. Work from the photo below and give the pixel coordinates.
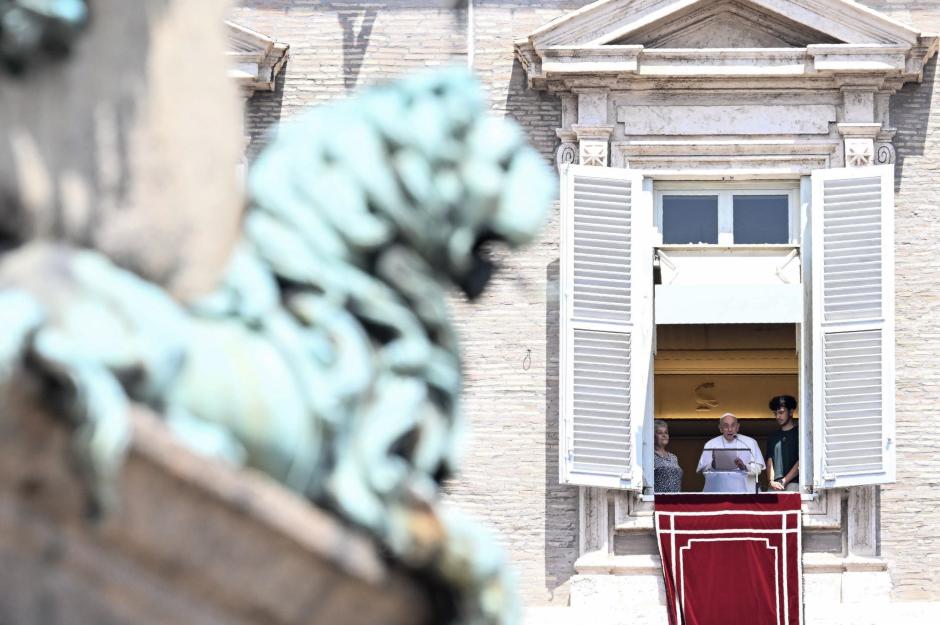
(667, 474)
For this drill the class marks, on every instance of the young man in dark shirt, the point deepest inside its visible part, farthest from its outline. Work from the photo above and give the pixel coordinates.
(783, 446)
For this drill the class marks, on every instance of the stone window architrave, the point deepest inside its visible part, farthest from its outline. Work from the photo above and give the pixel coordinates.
(747, 113)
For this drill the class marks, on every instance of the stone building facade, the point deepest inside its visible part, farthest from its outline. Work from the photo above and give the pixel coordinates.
(511, 475)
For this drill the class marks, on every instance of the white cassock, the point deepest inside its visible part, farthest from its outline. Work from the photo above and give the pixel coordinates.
(749, 454)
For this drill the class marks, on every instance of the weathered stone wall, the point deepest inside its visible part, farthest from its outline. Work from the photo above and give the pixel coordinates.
(910, 509)
(510, 480)
(511, 475)
(337, 47)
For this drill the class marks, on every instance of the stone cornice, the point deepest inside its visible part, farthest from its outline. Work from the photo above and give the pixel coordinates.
(877, 64)
(575, 51)
(256, 59)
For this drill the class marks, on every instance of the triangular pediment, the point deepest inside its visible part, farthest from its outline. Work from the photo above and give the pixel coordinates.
(725, 24)
(245, 42)
(795, 23)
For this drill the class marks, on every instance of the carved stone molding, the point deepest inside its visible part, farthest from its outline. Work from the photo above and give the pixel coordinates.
(859, 152)
(798, 155)
(594, 153)
(859, 142)
(567, 154)
(594, 144)
(885, 154)
(583, 132)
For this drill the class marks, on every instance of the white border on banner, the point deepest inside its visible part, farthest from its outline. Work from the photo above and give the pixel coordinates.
(766, 542)
(783, 532)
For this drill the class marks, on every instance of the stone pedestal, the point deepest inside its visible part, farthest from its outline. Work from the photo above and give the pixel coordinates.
(193, 542)
(634, 584)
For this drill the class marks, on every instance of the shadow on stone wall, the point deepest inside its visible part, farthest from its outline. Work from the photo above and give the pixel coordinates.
(538, 112)
(263, 114)
(910, 112)
(561, 502)
(355, 42)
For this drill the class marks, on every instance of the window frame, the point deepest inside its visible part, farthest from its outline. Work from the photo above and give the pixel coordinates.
(725, 192)
(796, 190)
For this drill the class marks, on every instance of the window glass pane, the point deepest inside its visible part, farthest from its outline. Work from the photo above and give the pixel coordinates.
(690, 219)
(761, 219)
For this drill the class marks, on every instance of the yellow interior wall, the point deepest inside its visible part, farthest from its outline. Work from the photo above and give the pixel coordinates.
(710, 396)
(703, 371)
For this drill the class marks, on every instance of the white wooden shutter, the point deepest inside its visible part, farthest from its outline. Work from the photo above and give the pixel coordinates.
(853, 326)
(606, 325)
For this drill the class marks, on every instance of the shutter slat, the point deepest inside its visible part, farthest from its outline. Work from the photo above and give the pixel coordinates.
(603, 420)
(591, 266)
(600, 415)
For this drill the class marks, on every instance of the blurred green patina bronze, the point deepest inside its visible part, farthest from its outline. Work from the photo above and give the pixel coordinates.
(326, 357)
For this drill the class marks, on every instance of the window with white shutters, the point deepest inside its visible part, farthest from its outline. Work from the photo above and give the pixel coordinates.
(607, 244)
(853, 327)
(606, 319)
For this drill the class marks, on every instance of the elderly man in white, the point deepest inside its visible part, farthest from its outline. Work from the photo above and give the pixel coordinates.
(731, 462)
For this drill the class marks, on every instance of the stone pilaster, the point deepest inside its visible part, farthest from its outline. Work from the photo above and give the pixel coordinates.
(866, 579)
(884, 141)
(858, 124)
(595, 528)
(863, 521)
(592, 129)
(885, 153)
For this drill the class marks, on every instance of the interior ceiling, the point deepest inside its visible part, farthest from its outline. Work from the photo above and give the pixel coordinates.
(726, 336)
